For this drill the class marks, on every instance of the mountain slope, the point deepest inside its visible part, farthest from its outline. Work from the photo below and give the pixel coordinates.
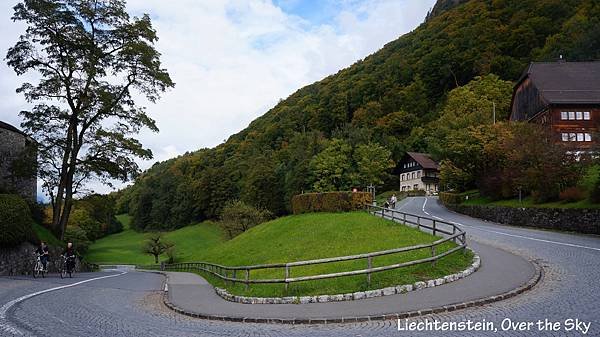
(384, 98)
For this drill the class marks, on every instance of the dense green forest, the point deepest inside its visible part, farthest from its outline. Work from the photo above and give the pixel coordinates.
(393, 101)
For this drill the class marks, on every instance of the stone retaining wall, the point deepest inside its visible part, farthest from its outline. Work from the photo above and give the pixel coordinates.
(20, 260)
(568, 219)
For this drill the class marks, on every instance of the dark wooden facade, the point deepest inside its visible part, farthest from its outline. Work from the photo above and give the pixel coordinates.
(564, 96)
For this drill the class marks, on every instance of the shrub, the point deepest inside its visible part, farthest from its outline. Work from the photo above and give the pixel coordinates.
(595, 192)
(448, 198)
(237, 217)
(572, 194)
(15, 221)
(78, 237)
(330, 202)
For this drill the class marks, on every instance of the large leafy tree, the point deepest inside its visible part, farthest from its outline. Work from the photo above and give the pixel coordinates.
(373, 163)
(332, 167)
(92, 57)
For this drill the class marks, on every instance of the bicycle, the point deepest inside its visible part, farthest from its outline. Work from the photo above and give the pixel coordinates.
(38, 267)
(67, 266)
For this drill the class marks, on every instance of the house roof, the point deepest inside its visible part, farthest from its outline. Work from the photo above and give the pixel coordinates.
(566, 82)
(9, 127)
(424, 160)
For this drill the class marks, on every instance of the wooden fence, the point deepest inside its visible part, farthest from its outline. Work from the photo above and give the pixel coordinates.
(437, 227)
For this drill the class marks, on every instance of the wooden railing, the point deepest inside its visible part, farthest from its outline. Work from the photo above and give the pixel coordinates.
(232, 273)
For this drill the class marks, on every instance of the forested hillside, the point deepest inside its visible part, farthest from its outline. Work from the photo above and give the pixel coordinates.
(392, 101)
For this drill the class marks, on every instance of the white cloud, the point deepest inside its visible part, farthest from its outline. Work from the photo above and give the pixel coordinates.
(233, 60)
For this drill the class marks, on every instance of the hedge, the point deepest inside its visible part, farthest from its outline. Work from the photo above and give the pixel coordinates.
(330, 202)
(16, 224)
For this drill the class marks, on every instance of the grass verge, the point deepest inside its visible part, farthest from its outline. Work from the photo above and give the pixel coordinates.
(320, 235)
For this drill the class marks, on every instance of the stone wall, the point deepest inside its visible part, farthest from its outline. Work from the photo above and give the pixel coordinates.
(15, 147)
(20, 260)
(568, 219)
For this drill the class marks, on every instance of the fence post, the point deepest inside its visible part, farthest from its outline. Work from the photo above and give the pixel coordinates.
(419, 222)
(234, 276)
(404, 218)
(433, 255)
(434, 227)
(247, 278)
(454, 232)
(369, 266)
(287, 275)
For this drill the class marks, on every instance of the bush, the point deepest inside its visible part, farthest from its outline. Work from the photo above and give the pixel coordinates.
(237, 217)
(15, 221)
(330, 202)
(595, 193)
(572, 194)
(448, 198)
(79, 239)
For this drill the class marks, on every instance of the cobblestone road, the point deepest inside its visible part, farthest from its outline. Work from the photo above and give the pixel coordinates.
(130, 304)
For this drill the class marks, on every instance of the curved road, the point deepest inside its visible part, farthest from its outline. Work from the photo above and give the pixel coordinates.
(121, 303)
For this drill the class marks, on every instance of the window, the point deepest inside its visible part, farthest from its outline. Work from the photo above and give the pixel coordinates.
(413, 175)
(418, 174)
(580, 137)
(579, 115)
(564, 115)
(587, 137)
(572, 137)
(571, 115)
(586, 115)
(565, 137)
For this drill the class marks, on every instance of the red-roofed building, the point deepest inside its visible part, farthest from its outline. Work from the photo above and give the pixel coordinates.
(418, 172)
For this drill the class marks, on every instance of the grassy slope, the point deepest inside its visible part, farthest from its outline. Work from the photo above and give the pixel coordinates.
(44, 234)
(125, 247)
(292, 238)
(528, 202)
(312, 236)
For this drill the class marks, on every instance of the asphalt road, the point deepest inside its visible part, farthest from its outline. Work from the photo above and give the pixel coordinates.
(128, 303)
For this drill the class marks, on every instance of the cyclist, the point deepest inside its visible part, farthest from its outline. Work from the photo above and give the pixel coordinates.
(70, 255)
(44, 254)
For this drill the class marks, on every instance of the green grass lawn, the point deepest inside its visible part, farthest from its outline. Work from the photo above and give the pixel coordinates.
(320, 235)
(528, 202)
(125, 247)
(44, 234)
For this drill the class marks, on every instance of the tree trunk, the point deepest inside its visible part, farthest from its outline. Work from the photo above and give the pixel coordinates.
(60, 202)
(156, 259)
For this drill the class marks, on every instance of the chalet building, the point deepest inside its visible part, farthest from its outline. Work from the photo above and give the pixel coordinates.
(18, 162)
(565, 96)
(418, 172)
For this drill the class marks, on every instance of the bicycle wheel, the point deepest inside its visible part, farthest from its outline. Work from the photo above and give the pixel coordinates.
(35, 271)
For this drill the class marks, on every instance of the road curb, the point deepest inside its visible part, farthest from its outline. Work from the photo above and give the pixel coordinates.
(538, 274)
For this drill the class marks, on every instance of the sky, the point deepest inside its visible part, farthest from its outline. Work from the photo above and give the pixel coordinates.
(233, 60)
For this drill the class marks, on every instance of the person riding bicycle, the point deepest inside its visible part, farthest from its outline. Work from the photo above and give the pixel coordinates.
(43, 253)
(69, 254)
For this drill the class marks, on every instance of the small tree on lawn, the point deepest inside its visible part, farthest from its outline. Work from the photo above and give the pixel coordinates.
(237, 217)
(156, 245)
